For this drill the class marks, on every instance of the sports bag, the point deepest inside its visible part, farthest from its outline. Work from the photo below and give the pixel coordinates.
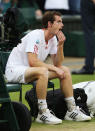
(58, 105)
(89, 88)
(56, 102)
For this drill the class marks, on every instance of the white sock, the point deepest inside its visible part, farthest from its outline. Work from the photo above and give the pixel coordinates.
(42, 105)
(70, 103)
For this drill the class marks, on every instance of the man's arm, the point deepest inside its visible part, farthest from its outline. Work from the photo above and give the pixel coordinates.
(35, 62)
(58, 58)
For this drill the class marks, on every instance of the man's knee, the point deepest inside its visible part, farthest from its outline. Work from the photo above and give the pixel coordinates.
(66, 70)
(44, 72)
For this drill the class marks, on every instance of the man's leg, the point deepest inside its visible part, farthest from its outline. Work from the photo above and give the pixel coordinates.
(41, 75)
(88, 21)
(73, 112)
(65, 85)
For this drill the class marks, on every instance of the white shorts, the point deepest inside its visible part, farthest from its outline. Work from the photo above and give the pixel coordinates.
(15, 74)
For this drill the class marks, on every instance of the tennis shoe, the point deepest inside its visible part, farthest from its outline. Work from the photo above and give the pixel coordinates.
(77, 115)
(48, 118)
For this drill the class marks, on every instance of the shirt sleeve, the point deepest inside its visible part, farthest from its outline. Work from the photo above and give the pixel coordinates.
(54, 44)
(31, 42)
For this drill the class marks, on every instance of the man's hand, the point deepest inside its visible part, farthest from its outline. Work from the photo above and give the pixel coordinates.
(93, 1)
(60, 73)
(61, 37)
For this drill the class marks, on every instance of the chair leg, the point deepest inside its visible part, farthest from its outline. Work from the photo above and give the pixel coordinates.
(20, 97)
(34, 85)
(53, 90)
(51, 85)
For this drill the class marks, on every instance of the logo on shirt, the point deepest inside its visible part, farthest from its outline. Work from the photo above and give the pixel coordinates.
(36, 46)
(37, 41)
(35, 49)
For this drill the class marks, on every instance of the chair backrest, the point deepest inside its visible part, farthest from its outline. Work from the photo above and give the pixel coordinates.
(4, 57)
(3, 89)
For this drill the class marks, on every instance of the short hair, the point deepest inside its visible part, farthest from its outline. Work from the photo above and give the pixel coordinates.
(49, 16)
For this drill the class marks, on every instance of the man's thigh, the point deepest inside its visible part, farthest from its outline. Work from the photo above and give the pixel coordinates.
(33, 73)
(23, 74)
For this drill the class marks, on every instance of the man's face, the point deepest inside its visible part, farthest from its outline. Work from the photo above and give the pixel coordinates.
(57, 25)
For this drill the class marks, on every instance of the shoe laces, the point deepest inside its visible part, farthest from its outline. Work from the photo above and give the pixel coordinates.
(50, 113)
(78, 109)
(81, 111)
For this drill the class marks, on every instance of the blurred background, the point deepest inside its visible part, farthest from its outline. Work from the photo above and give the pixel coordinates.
(18, 17)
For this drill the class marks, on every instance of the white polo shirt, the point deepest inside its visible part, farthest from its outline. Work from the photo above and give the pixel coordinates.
(33, 42)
